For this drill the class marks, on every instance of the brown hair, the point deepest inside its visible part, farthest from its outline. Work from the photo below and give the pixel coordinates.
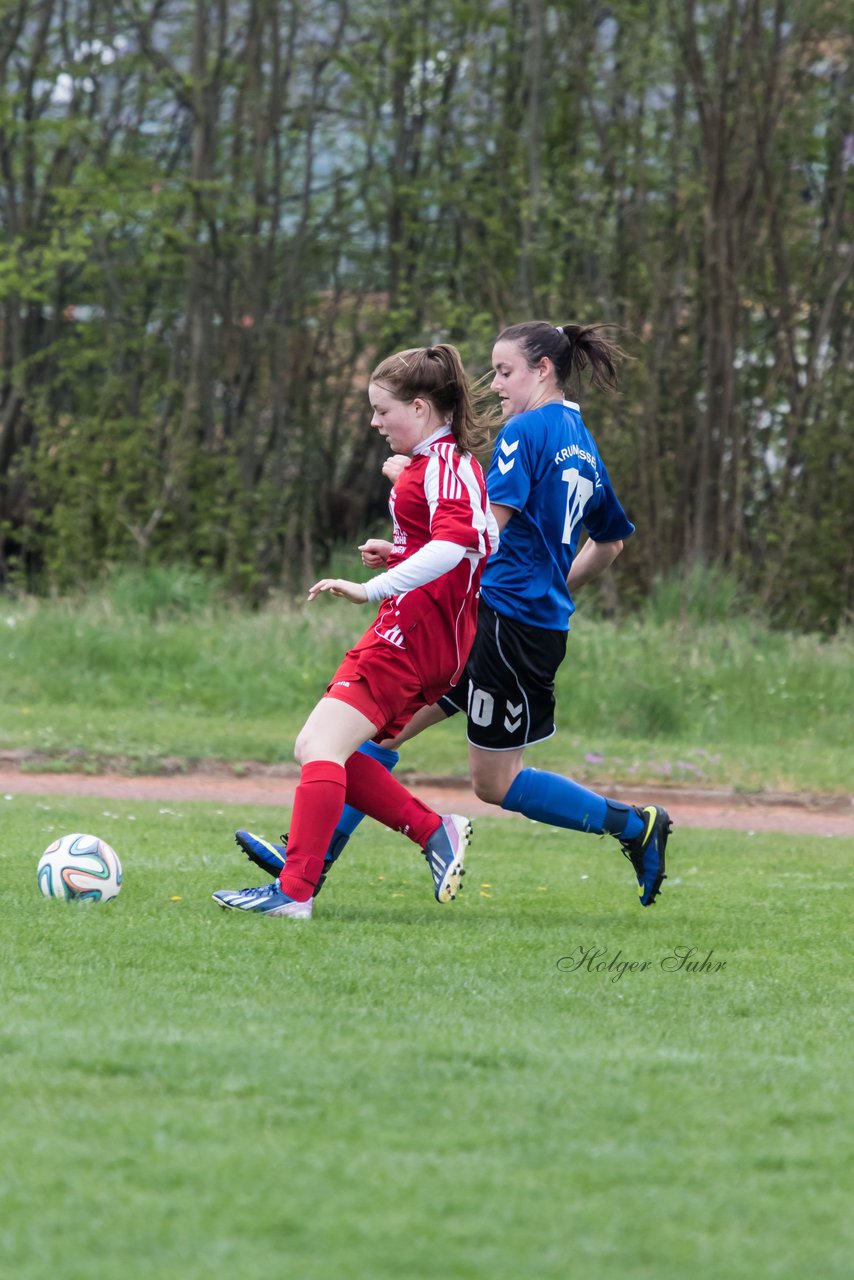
(572, 348)
(437, 374)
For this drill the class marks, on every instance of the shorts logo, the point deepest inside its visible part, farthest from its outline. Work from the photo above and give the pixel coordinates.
(392, 634)
(512, 725)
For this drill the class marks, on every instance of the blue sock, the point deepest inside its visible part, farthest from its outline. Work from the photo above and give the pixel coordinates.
(551, 798)
(350, 817)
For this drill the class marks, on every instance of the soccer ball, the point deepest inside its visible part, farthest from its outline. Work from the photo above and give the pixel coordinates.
(80, 867)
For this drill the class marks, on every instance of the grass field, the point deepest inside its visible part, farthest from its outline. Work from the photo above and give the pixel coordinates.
(397, 1089)
(155, 675)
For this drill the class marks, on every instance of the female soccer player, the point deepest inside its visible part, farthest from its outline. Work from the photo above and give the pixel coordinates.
(416, 647)
(546, 482)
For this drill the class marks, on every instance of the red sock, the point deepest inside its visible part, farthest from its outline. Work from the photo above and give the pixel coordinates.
(318, 803)
(372, 790)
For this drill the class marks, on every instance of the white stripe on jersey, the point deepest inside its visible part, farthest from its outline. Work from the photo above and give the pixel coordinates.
(453, 473)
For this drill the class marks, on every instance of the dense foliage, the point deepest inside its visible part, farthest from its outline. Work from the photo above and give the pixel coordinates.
(215, 216)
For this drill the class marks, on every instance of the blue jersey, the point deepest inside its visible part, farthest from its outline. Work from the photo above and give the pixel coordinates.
(547, 468)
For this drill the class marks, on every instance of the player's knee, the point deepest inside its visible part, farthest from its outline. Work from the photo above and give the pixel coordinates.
(489, 790)
(302, 748)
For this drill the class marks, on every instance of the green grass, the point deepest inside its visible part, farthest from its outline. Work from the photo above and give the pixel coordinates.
(397, 1089)
(676, 698)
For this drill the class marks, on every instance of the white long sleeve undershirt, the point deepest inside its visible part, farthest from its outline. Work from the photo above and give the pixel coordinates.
(434, 559)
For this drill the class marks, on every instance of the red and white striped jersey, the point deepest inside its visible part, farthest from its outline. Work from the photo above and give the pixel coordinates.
(441, 494)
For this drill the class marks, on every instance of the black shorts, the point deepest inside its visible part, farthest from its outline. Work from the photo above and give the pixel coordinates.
(508, 686)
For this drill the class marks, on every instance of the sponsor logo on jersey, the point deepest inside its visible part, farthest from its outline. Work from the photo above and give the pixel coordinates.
(508, 450)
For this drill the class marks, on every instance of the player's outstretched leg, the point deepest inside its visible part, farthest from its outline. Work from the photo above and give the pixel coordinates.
(561, 802)
(442, 840)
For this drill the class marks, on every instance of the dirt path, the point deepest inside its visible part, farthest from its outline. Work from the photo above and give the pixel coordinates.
(274, 785)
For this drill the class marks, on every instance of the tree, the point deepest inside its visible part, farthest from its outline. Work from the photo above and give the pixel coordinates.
(216, 217)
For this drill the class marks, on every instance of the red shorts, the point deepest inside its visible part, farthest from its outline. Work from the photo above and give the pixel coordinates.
(379, 680)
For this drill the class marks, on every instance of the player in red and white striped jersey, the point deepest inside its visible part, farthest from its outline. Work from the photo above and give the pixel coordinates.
(441, 524)
(418, 644)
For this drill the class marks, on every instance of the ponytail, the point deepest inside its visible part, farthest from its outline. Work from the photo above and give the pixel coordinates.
(437, 374)
(572, 349)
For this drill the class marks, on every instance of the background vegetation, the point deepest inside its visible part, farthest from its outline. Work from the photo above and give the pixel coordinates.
(214, 216)
(160, 670)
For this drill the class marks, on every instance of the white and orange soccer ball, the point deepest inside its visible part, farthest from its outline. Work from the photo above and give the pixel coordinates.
(80, 868)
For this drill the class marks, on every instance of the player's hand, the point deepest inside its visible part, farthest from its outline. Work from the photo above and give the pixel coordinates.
(394, 467)
(356, 592)
(375, 553)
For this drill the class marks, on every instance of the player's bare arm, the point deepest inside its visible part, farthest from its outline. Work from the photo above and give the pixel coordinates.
(355, 592)
(592, 559)
(502, 514)
(422, 719)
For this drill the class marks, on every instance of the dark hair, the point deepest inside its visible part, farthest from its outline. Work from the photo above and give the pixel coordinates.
(437, 374)
(572, 348)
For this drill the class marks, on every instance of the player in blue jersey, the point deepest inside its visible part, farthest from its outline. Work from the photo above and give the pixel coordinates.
(546, 483)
